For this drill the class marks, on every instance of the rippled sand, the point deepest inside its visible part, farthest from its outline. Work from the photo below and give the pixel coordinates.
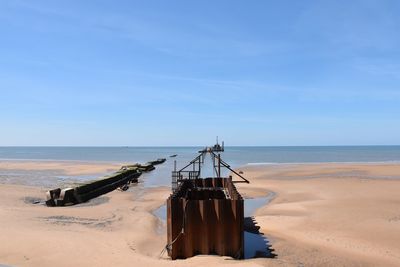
(322, 215)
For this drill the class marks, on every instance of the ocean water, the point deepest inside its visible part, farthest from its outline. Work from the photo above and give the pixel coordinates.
(235, 156)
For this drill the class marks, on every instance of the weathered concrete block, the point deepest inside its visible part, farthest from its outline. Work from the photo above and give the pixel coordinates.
(51, 196)
(67, 196)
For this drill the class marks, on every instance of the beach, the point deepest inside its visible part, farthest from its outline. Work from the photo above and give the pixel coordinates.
(257, 133)
(325, 214)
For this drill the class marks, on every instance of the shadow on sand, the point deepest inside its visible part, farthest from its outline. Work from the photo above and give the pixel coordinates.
(256, 245)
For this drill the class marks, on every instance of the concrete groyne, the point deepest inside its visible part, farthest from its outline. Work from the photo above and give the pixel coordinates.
(82, 193)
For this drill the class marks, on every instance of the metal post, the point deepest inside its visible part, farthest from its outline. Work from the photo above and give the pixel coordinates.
(219, 165)
(214, 170)
(199, 165)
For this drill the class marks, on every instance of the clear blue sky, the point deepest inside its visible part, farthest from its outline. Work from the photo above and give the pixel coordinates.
(181, 72)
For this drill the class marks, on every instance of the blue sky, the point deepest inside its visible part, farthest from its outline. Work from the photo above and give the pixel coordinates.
(182, 72)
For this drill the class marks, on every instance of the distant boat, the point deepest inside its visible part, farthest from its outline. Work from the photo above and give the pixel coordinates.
(173, 156)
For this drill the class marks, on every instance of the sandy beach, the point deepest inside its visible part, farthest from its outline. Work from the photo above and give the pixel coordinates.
(129, 119)
(321, 215)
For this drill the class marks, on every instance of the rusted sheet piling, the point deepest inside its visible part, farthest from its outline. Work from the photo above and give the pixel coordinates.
(205, 216)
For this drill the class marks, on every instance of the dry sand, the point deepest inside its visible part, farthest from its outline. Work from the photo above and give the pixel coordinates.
(322, 215)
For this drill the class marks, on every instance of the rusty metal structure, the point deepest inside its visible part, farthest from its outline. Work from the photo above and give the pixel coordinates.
(205, 215)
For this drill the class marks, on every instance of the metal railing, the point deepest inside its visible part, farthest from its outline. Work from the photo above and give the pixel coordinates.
(178, 176)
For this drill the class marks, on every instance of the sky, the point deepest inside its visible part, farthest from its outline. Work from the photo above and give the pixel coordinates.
(178, 73)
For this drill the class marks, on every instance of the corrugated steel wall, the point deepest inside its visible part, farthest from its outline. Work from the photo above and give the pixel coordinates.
(210, 225)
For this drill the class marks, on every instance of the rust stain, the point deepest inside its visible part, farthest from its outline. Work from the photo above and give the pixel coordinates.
(205, 216)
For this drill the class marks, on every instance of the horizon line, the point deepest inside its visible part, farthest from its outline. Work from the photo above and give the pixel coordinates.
(183, 146)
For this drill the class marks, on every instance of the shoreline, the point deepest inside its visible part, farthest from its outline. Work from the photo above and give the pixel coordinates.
(328, 220)
(389, 162)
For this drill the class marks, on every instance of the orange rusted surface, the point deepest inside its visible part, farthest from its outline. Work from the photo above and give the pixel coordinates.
(205, 216)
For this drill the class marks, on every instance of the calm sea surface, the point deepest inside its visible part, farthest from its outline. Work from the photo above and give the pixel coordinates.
(235, 156)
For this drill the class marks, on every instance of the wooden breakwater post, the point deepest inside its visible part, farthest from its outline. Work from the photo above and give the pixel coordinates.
(205, 216)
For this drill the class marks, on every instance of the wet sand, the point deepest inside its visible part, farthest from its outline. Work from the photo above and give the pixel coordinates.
(332, 214)
(321, 215)
(66, 167)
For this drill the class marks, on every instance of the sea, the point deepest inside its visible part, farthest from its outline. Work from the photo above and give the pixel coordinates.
(235, 156)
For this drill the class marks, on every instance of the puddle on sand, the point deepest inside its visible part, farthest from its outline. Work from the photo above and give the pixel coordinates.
(256, 244)
(161, 213)
(252, 204)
